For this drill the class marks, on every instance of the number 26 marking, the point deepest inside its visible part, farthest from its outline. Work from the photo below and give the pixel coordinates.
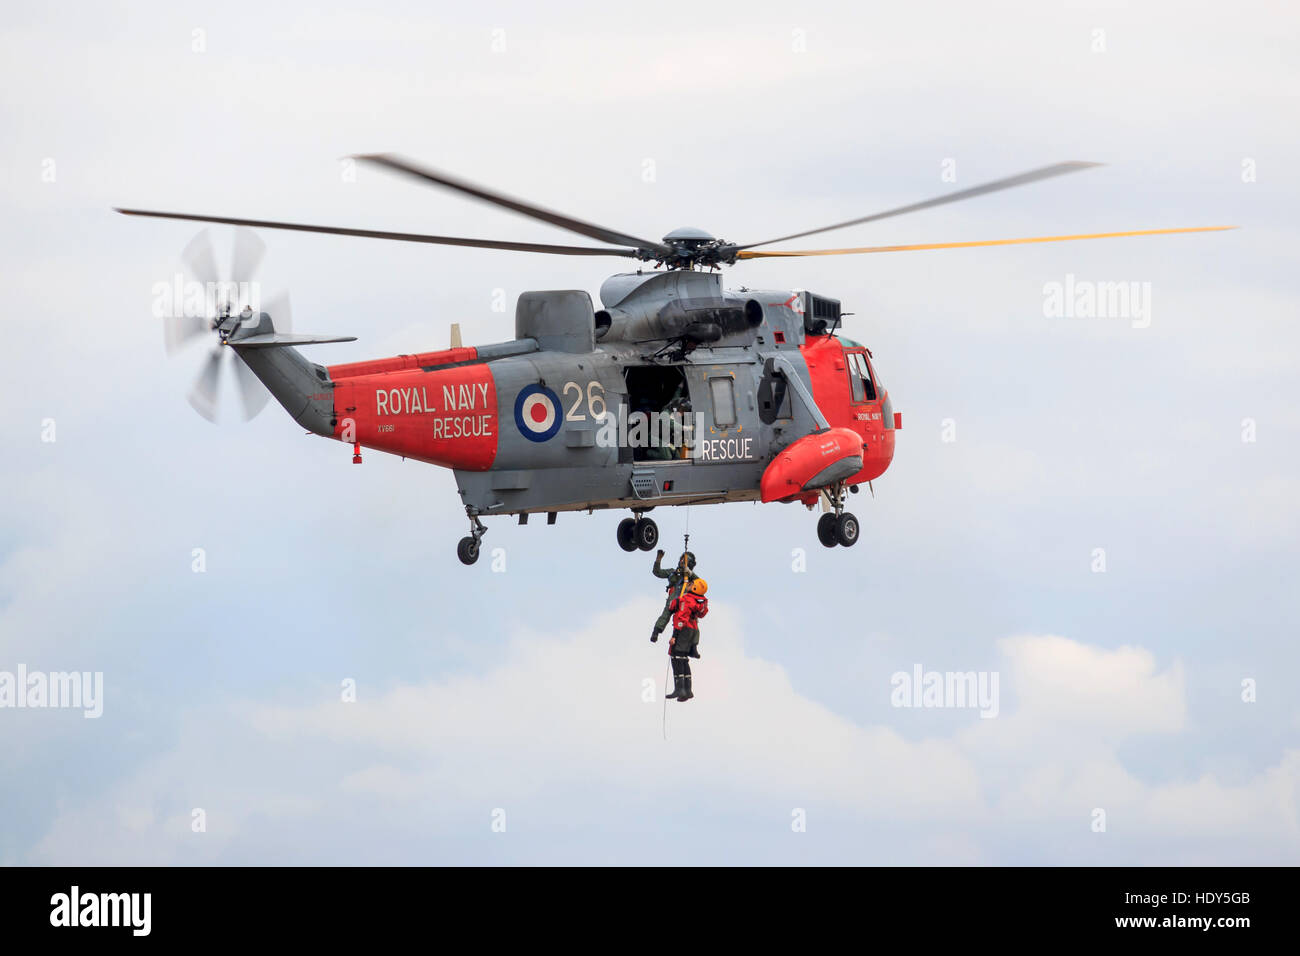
(595, 401)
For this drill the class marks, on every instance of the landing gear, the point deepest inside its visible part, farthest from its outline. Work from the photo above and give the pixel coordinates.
(846, 530)
(627, 534)
(838, 527)
(467, 549)
(826, 525)
(634, 533)
(647, 534)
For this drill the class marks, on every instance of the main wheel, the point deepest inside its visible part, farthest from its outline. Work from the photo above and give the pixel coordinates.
(826, 530)
(646, 534)
(467, 550)
(846, 530)
(627, 534)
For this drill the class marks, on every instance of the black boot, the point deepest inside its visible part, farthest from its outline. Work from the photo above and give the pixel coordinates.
(685, 693)
(677, 680)
(677, 688)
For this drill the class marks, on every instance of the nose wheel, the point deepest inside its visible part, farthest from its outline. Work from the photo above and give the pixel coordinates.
(638, 534)
(839, 526)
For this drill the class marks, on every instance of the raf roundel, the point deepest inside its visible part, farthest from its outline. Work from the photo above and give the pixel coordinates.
(537, 413)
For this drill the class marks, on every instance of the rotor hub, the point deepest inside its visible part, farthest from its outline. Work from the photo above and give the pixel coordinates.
(690, 246)
(688, 237)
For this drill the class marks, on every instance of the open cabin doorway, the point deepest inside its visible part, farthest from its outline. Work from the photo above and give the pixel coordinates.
(659, 412)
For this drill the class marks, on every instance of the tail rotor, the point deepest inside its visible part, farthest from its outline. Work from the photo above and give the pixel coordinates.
(228, 302)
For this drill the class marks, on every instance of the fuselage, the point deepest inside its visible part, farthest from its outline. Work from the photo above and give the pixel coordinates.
(531, 429)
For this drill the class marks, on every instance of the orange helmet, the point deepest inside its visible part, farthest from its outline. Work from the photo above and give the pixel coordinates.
(699, 586)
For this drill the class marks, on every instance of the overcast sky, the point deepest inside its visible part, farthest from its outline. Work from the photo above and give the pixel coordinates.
(517, 697)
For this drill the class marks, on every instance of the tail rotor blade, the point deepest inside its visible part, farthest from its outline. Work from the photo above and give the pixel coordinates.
(179, 330)
(200, 259)
(246, 256)
(201, 264)
(252, 393)
(203, 396)
(280, 313)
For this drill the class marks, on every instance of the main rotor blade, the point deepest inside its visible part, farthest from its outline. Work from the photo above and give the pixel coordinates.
(1021, 179)
(203, 396)
(399, 236)
(967, 245)
(517, 205)
(252, 393)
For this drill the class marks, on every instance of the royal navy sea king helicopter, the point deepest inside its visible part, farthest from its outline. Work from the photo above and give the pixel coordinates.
(675, 391)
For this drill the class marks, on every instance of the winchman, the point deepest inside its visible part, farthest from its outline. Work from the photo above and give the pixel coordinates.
(687, 611)
(679, 578)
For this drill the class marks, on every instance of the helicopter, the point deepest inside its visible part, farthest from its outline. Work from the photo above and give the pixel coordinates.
(676, 391)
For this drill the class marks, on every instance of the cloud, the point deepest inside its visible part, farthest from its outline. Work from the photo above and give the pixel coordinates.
(1110, 694)
(561, 732)
(580, 701)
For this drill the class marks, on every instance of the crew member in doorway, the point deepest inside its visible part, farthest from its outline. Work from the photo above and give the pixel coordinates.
(678, 411)
(687, 611)
(679, 578)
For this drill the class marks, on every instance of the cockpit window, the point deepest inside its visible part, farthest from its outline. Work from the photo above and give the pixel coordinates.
(860, 378)
(867, 381)
(855, 378)
(875, 378)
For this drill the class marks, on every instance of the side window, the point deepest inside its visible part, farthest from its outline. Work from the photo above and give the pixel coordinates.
(724, 402)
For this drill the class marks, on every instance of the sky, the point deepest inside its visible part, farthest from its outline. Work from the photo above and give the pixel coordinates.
(1099, 513)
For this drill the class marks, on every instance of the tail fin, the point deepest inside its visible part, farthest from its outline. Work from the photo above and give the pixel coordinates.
(302, 387)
